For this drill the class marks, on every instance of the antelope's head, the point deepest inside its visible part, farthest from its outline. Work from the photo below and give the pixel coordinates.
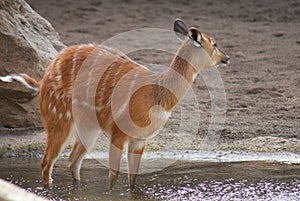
(198, 48)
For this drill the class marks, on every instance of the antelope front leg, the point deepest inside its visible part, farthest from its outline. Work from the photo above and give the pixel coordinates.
(135, 151)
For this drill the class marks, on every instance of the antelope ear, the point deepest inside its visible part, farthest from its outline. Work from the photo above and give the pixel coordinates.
(196, 36)
(180, 29)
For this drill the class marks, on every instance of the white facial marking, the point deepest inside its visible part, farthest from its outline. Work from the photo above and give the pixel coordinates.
(214, 52)
(194, 76)
(196, 44)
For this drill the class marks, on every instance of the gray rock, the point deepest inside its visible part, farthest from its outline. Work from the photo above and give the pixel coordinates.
(28, 43)
(10, 192)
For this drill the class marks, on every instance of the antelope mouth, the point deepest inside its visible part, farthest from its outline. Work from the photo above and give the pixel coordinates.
(226, 61)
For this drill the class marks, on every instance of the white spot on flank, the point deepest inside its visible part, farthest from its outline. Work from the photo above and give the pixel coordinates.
(58, 72)
(49, 106)
(74, 61)
(51, 93)
(68, 115)
(60, 115)
(103, 85)
(108, 104)
(58, 77)
(90, 106)
(91, 79)
(100, 93)
(117, 73)
(86, 105)
(108, 72)
(132, 83)
(64, 103)
(54, 110)
(126, 102)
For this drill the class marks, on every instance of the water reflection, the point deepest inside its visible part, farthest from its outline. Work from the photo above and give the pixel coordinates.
(182, 181)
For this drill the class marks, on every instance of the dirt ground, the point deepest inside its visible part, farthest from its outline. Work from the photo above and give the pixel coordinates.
(261, 85)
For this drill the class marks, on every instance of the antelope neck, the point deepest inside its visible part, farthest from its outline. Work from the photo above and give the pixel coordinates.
(174, 83)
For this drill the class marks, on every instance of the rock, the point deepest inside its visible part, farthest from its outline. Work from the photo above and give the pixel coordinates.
(28, 43)
(10, 192)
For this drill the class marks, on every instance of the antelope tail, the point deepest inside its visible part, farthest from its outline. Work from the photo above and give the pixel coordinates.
(24, 79)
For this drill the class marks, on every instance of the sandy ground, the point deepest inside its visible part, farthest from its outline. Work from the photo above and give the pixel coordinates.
(261, 84)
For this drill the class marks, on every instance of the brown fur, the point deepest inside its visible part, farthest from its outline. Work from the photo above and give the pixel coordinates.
(75, 70)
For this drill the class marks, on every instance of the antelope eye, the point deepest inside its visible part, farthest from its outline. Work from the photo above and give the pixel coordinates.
(215, 44)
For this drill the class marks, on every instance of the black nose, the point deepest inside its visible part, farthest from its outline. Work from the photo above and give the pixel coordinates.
(226, 60)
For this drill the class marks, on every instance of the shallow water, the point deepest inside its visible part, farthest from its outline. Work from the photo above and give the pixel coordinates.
(255, 180)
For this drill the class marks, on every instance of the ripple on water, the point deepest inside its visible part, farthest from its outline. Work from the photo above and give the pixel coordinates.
(226, 190)
(182, 181)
